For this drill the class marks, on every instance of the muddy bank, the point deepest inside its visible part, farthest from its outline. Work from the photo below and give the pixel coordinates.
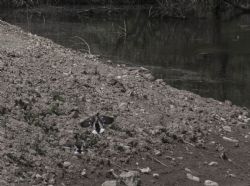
(47, 90)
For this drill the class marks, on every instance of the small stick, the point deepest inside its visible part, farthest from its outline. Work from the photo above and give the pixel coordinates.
(84, 42)
(188, 143)
(158, 161)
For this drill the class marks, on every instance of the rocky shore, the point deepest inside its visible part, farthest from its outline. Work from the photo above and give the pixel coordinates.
(160, 136)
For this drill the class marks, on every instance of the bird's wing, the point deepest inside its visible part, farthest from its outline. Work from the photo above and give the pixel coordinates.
(106, 119)
(88, 122)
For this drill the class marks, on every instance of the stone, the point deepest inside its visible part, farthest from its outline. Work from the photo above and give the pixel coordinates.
(210, 183)
(110, 183)
(66, 164)
(188, 170)
(149, 77)
(230, 139)
(227, 128)
(84, 172)
(193, 178)
(131, 178)
(146, 170)
(156, 175)
(232, 175)
(157, 152)
(213, 163)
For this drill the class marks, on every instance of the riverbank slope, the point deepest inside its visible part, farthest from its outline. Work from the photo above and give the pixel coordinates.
(47, 90)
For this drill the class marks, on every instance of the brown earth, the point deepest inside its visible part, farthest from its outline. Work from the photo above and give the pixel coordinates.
(46, 90)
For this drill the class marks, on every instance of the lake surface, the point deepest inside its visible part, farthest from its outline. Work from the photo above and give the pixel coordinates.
(208, 57)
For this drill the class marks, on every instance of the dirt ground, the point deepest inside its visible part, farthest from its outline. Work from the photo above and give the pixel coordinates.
(47, 90)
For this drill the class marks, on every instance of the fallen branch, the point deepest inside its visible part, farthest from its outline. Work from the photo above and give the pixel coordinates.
(158, 161)
(85, 42)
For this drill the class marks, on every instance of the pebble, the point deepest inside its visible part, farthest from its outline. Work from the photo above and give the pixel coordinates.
(131, 178)
(230, 139)
(227, 128)
(223, 119)
(213, 163)
(66, 164)
(210, 183)
(232, 175)
(180, 158)
(83, 173)
(157, 152)
(156, 175)
(193, 178)
(110, 183)
(145, 170)
(187, 170)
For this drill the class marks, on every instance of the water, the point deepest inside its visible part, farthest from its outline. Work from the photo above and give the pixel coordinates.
(208, 57)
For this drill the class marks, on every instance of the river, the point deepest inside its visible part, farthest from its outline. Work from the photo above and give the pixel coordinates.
(209, 57)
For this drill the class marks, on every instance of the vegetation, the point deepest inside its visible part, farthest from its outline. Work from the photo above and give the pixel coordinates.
(22, 3)
(169, 8)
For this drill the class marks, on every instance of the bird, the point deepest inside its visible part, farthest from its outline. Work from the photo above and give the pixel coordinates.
(97, 122)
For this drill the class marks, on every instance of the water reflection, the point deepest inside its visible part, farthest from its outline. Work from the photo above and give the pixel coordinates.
(208, 57)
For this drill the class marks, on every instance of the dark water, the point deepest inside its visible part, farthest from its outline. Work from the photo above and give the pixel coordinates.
(208, 57)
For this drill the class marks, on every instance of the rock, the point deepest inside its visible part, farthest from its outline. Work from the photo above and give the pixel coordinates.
(84, 172)
(213, 163)
(210, 183)
(66, 164)
(232, 175)
(159, 81)
(110, 183)
(180, 158)
(39, 178)
(145, 170)
(131, 178)
(193, 178)
(149, 77)
(230, 139)
(227, 128)
(156, 175)
(188, 170)
(223, 119)
(157, 152)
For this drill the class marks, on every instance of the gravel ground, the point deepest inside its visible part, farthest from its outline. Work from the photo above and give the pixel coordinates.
(47, 90)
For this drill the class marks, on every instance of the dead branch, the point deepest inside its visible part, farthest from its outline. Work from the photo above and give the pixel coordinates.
(85, 42)
(158, 161)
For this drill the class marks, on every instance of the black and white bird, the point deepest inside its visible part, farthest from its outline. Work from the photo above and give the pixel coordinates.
(97, 122)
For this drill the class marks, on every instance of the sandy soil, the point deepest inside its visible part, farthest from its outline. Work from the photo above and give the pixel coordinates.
(47, 90)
